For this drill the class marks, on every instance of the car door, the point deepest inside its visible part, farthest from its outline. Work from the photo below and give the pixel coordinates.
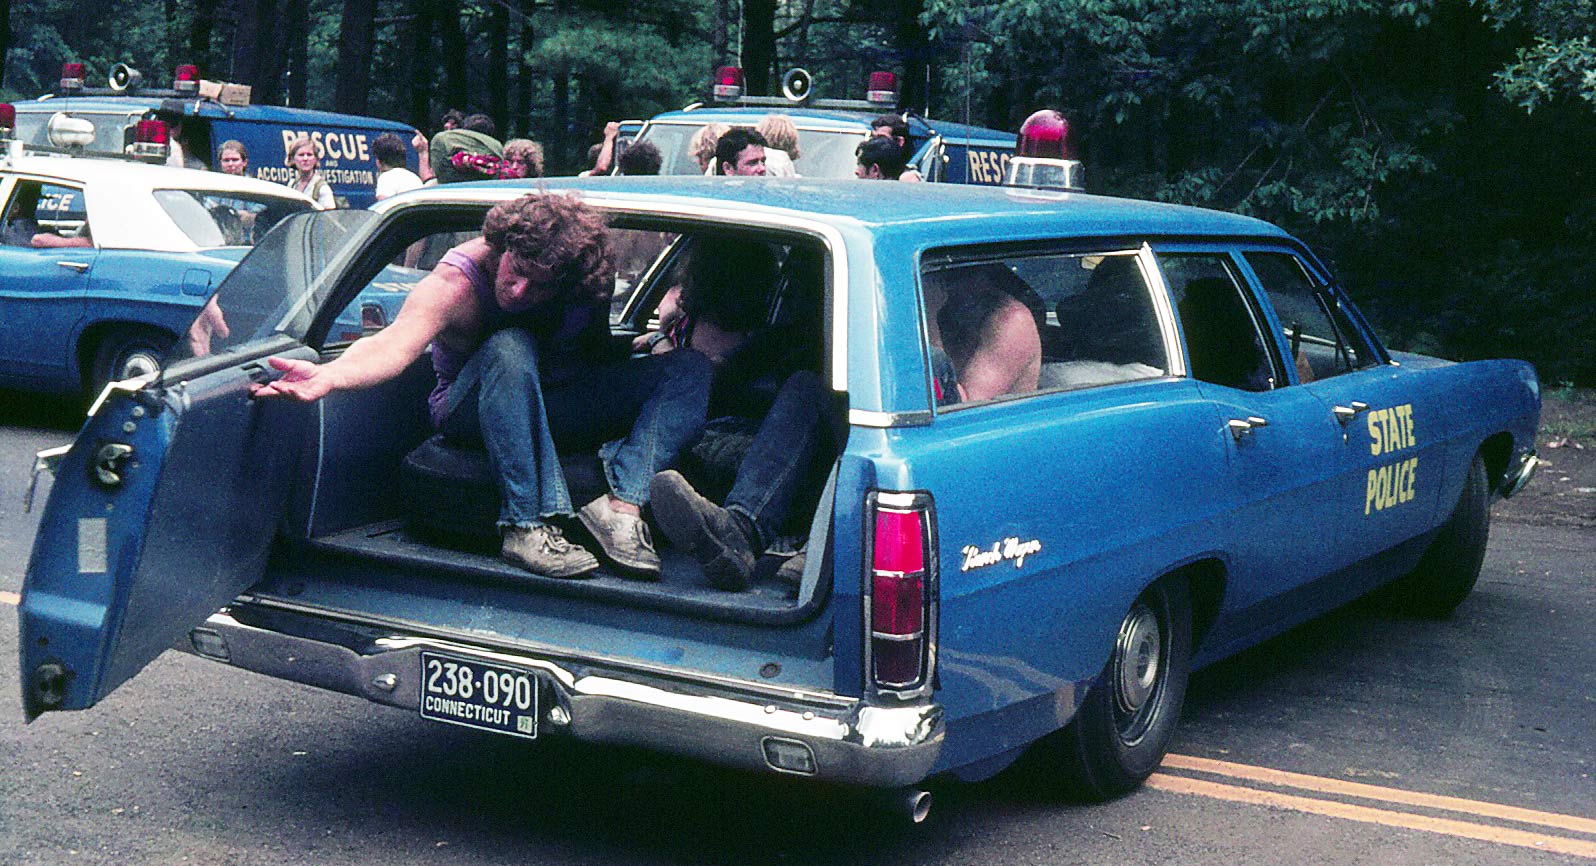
(164, 507)
(1284, 486)
(43, 290)
(1388, 463)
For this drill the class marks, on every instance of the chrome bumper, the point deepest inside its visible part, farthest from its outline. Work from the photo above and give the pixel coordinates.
(1516, 477)
(850, 740)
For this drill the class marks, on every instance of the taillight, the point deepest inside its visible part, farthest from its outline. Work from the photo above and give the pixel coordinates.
(150, 132)
(186, 79)
(882, 88)
(728, 83)
(902, 590)
(72, 75)
(8, 115)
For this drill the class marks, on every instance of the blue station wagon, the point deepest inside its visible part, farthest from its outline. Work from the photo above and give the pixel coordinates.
(1080, 447)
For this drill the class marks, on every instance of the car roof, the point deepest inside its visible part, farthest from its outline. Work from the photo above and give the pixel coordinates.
(122, 213)
(207, 108)
(919, 212)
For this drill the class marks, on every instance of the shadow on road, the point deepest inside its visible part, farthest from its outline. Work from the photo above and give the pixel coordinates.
(45, 411)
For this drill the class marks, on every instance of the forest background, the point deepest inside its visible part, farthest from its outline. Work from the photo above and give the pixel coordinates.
(1437, 153)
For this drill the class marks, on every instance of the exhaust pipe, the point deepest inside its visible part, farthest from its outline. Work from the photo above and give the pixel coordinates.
(911, 803)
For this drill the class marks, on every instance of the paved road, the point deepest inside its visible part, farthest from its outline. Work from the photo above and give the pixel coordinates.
(1358, 739)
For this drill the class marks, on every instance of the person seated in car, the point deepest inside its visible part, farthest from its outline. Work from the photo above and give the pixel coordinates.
(518, 324)
(773, 442)
(990, 342)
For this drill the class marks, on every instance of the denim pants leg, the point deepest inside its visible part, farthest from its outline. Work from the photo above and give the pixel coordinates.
(655, 405)
(498, 399)
(782, 450)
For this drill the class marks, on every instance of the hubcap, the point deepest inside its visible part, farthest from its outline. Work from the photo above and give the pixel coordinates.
(139, 364)
(1138, 662)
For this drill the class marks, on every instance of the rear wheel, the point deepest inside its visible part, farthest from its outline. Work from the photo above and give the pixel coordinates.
(1120, 734)
(125, 354)
(1451, 565)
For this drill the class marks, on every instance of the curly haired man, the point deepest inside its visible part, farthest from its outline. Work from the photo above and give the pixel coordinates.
(518, 324)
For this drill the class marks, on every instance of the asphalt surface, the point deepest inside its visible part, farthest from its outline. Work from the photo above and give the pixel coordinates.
(1360, 738)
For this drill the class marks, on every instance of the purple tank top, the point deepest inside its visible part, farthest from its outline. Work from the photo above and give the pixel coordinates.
(557, 327)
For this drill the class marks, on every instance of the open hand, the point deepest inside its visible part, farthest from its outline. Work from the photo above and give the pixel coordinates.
(306, 381)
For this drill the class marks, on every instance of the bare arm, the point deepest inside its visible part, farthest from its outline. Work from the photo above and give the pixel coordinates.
(441, 299)
(607, 152)
(1009, 360)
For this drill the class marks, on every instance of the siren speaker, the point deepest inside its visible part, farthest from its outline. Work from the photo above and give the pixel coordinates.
(125, 78)
(795, 84)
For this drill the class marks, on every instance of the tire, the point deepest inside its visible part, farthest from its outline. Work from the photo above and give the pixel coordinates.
(1447, 572)
(124, 354)
(1121, 733)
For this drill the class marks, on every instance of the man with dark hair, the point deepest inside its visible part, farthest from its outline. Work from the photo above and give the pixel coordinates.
(741, 152)
(641, 158)
(879, 159)
(894, 128)
(395, 178)
(517, 322)
(481, 123)
(452, 118)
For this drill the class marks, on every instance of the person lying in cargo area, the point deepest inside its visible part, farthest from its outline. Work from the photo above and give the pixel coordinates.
(518, 322)
(990, 342)
(768, 408)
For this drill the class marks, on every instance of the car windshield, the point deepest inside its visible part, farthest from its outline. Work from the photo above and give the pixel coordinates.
(822, 153)
(216, 219)
(270, 290)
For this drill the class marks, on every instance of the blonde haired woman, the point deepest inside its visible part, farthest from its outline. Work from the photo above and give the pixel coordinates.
(702, 144)
(302, 157)
(781, 139)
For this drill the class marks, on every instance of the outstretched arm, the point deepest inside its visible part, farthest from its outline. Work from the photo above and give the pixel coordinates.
(442, 298)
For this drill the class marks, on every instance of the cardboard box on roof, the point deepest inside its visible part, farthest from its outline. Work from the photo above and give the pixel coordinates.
(225, 93)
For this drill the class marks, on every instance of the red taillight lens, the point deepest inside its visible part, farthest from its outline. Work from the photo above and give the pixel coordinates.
(8, 115)
(900, 594)
(150, 132)
(882, 87)
(72, 75)
(728, 82)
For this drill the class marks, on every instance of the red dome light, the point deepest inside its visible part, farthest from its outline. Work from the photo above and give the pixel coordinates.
(1044, 135)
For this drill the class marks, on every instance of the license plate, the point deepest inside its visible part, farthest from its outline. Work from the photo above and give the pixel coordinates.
(479, 695)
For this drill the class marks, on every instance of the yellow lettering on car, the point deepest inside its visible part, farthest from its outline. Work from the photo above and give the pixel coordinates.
(1392, 484)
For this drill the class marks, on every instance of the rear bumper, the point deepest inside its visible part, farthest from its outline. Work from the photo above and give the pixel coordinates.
(730, 723)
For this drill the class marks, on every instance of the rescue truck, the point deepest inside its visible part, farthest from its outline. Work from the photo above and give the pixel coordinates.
(125, 118)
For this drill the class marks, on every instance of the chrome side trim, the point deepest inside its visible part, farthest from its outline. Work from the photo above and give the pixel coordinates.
(873, 418)
(1154, 276)
(1515, 479)
(853, 741)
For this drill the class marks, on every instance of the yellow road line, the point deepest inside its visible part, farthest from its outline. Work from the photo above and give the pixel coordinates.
(10, 598)
(1375, 792)
(1368, 815)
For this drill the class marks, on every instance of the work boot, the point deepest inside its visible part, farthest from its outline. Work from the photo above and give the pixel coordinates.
(543, 550)
(712, 534)
(623, 537)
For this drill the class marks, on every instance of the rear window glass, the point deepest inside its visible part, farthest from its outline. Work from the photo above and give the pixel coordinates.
(1088, 319)
(821, 153)
(226, 219)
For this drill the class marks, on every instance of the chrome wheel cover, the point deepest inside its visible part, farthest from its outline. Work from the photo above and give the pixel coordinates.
(1138, 672)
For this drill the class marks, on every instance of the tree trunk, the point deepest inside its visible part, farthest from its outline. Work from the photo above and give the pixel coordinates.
(296, 20)
(559, 149)
(5, 37)
(759, 45)
(523, 74)
(499, 67)
(721, 49)
(909, 37)
(200, 28)
(258, 55)
(456, 85)
(356, 34)
(415, 68)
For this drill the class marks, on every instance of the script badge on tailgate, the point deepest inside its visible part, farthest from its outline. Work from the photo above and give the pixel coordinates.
(476, 694)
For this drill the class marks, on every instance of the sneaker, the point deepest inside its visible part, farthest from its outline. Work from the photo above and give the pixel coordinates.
(544, 550)
(703, 528)
(623, 537)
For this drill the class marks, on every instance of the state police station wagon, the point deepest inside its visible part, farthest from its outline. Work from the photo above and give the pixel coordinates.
(1199, 443)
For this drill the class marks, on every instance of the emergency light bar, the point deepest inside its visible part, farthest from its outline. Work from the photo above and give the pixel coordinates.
(882, 88)
(728, 83)
(72, 75)
(1043, 157)
(186, 78)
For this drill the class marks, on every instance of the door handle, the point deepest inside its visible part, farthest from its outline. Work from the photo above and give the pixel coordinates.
(1345, 414)
(80, 267)
(1240, 427)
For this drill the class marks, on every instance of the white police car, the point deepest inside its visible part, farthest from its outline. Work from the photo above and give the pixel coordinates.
(103, 263)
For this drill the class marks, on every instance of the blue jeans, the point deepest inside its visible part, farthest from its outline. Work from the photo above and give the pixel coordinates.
(778, 460)
(523, 410)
